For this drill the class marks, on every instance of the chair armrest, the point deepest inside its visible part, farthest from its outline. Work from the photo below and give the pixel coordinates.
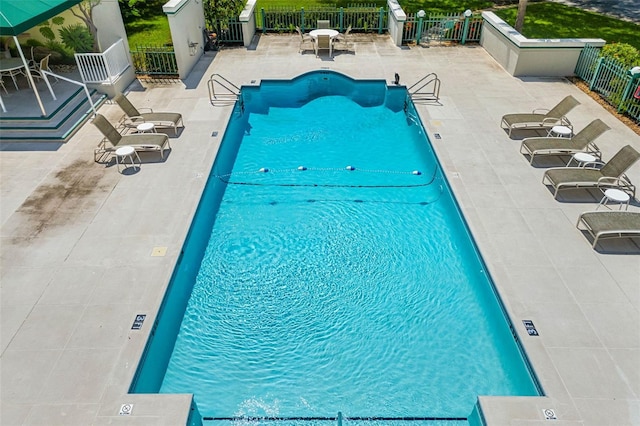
(145, 109)
(621, 182)
(540, 110)
(594, 150)
(552, 121)
(596, 165)
(127, 121)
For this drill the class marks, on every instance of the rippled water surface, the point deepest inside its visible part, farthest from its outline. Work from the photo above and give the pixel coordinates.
(327, 289)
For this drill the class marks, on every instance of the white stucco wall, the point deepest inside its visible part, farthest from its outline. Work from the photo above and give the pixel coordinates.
(186, 21)
(108, 20)
(521, 56)
(248, 20)
(396, 21)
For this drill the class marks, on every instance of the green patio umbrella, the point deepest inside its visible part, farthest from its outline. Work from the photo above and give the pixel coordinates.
(17, 16)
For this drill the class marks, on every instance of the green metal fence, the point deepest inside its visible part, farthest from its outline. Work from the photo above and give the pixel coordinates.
(155, 61)
(228, 31)
(449, 27)
(361, 17)
(611, 80)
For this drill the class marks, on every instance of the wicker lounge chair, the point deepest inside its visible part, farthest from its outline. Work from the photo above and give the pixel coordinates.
(537, 119)
(133, 117)
(611, 175)
(113, 140)
(582, 141)
(610, 224)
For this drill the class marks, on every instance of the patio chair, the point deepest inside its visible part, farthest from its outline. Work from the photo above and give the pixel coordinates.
(323, 24)
(538, 119)
(324, 42)
(37, 68)
(611, 175)
(581, 141)
(3, 86)
(610, 224)
(133, 117)
(139, 141)
(439, 31)
(304, 38)
(342, 39)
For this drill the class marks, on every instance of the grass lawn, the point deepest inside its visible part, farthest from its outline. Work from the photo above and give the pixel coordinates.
(554, 20)
(149, 32)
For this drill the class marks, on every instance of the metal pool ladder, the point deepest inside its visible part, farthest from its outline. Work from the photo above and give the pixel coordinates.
(427, 89)
(222, 91)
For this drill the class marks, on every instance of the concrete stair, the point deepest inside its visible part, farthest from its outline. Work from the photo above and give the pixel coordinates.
(61, 122)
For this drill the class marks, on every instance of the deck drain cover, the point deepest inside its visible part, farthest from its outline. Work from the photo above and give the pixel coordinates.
(437, 136)
(549, 414)
(531, 329)
(125, 409)
(214, 133)
(137, 323)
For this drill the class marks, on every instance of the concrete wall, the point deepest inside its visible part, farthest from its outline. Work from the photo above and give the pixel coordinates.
(521, 56)
(108, 20)
(248, 19)
(34, 33)
(186, 21)
(396, 21)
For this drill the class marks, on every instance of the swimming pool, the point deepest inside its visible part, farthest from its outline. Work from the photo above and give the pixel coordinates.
(328, 269)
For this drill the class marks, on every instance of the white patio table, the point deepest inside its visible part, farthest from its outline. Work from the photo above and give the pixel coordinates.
(331, 33)
(12, 67)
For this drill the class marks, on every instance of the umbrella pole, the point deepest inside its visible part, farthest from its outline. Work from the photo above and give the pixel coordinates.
(29, 76)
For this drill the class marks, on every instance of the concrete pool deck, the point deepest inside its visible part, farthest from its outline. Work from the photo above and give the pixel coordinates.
(84, 248)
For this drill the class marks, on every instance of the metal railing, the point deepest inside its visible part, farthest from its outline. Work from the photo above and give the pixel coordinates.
(227, 92)
(155, 61)
(361, 17)
(103, 67)
(611, 80)
(427, 89)
(449, 27)
(77, 83)
(228, 30)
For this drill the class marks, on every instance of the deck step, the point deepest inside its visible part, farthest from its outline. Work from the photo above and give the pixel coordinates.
(57, 126)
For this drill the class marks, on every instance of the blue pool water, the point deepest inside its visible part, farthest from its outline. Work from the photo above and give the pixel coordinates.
(329, 270)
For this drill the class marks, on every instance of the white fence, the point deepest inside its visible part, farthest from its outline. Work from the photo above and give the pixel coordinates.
(104, 67)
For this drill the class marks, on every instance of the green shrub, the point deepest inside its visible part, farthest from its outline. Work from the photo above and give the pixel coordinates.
(77, 38)
(62, 54)
(624, 53)
(32, 42)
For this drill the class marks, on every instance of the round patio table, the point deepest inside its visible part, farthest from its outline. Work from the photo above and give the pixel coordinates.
(11, 67)
(331, 33)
